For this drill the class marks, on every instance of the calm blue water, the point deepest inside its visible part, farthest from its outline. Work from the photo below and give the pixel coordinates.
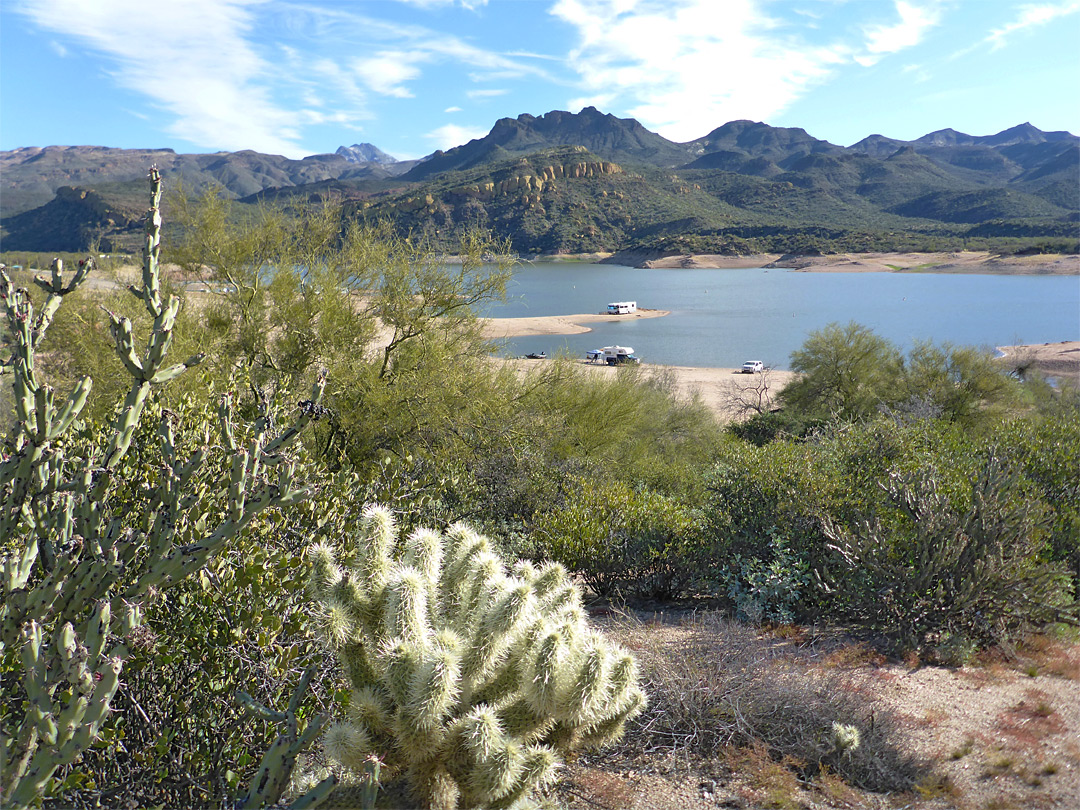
(719, 318)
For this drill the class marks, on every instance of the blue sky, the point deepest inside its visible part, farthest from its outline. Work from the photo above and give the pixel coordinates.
(300, 77)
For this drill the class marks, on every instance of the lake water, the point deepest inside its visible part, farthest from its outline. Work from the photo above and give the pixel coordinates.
(719, 318)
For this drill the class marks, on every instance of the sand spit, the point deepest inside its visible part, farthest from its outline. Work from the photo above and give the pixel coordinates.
(1061, 360)
(498, 328)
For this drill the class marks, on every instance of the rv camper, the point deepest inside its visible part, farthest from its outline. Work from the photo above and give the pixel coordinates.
(617, 355)
(622, 308)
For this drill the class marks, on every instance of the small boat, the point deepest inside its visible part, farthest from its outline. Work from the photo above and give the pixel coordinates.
(534, 356)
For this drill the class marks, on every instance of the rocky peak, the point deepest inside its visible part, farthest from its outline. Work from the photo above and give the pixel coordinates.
(365, 153)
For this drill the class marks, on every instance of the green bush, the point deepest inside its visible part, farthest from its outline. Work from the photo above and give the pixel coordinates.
(763, 523)
(1047, 451)
(621, 540)
(940, 577)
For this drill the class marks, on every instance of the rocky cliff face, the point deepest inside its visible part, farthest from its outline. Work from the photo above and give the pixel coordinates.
(74, 219)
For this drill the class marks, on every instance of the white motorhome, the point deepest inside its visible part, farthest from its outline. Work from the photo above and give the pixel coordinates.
(617, 355)
(622, 308)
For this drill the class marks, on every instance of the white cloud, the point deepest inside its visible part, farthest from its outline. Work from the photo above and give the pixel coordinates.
(451, 135)
(452, 110)
(469, 4)
(914, 22)
(57, 48)
(486, 93)
(191, 59)
(1032, 15)
(255, 74)
(917, 72)
(386, 72)
(686, 67)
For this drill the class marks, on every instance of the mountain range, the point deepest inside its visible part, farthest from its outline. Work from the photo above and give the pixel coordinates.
(589, 181)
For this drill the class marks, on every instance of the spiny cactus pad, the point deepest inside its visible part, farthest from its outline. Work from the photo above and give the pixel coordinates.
(469, 679)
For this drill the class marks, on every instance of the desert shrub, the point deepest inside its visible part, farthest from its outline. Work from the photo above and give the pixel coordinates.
(620, 540)
(963, 384)
(849, 373)
(720, 685)
(175, 735)
(762, 428)
(1047, 451)
(763, 523)
(91, 536)
(933, 574)
(845, 371)
(468, 680)
(768, 589)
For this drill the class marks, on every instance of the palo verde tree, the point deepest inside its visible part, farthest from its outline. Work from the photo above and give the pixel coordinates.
(77, 559)
(395, 324)
(845, 372)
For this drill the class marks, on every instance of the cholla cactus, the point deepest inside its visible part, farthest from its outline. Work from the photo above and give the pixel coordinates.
(72, 568)
(469, 680)
(846, 738)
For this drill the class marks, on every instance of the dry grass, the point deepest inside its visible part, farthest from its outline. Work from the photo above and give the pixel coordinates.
(720, 686)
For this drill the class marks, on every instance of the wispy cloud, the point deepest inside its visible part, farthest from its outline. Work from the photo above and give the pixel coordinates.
(57, 48)
(686, 66)
(918, 72)
(452, 110)
(451, 135)
(881, 40)
(486, 93)
(469, 4)
(254, 74)
(1031, 16)
(191, 59)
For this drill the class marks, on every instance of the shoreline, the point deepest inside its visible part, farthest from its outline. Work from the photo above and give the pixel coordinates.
(498, 328)
(899, 262)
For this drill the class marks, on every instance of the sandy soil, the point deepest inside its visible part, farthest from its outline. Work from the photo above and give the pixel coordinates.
(498, 328)
(959, 262)
(1060, 360)
(955, 262)
(997, 734)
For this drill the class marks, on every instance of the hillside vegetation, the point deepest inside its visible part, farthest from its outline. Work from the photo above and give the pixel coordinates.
(193, 580)
(743, 188)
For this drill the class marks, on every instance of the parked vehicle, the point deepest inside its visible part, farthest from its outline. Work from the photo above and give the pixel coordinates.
(753, 367)
(618, 355)
(622, 308)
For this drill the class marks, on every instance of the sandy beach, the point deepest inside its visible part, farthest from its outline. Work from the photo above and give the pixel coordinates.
(726, 391)
(1061, 360)
(966, 261)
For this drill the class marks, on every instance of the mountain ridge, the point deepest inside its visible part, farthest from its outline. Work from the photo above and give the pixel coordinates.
(1024, 177)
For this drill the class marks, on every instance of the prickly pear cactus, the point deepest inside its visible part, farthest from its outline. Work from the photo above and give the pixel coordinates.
(469, 680)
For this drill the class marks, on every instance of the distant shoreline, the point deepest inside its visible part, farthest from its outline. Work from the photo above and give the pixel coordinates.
(721, 389)
(945, 262)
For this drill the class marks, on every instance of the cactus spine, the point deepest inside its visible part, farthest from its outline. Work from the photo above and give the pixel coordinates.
(469, 680)
(72, 568)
